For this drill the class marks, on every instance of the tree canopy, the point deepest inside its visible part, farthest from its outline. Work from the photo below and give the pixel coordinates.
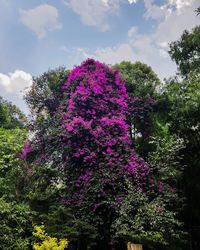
(186, 52)
(108, 158)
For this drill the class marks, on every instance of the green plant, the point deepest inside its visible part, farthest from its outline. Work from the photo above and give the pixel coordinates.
(47, 242)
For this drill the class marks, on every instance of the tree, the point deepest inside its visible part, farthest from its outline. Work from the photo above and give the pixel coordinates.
(198, 11)
(16, 225)
(10, 115)
(186, 51)
(95, 159)
(45, 94)
(183, 117)
(140, 79)
(15, 214)
(141, 83)
(11, 141)
(47, 242)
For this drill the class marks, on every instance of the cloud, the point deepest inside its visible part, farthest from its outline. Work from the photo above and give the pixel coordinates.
(115, 54)
(137, 47)
(173, 18)
(154, 11)
(15, 83)
(132, 1)
(95, 13)
(167, 9)
(183, 17)
(179, 4)
(64, 49)
(41, 19)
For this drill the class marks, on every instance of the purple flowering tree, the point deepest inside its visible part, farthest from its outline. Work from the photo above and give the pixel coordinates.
(101, 163)
(105, 181)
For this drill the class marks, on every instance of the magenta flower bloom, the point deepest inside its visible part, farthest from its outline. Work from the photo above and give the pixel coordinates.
(97, 139)
(25, 150)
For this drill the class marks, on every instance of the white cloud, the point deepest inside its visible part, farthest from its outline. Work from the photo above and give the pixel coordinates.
(15, 83)
(163, 53)
(171, 28)
(139, 47)
(41, 19)
(133, 32)
(116, 54)
(173, 17)
(181, 3)
(155, 11)
(132, 1)
(165, 10)
(64, 49)
(105, 2)
(95, 12)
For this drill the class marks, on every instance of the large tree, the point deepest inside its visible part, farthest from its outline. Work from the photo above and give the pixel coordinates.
(186, 51)
(140, 79)
(142, 85)
(184, 101)
(184, 121)
(84, 148)
(15, 214)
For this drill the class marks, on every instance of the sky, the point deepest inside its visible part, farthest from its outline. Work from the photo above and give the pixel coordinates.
(39, 35)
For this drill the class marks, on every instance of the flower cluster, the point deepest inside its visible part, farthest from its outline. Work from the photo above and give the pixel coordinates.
(25, 150)
(96, 132)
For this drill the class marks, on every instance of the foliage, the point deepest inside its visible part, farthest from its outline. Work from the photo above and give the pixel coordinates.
(140, 79)
(166, 157)
(10, 115)
(140, 111)
(95, 114)
(86, 144)
(11, 141)
(184, 103)
(198, 11)
(16, 225)
(141, 84)
(84, 147)
(146, 221)
(184, 99)
(45, 94)
(62, 221)
(186, 52)
(15, 214)
(44, 99)
(46, 242)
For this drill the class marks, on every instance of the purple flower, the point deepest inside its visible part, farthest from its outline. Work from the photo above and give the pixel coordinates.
(25, 150)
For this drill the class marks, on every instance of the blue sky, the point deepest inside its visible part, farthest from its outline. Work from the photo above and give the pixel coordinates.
(38, 35)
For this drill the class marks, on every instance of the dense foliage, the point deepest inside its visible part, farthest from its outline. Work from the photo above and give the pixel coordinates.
(10, 115)
(45, 242)
(15, 214)
(186, 52)
(184, 117)
(89, 163)
(109, 158)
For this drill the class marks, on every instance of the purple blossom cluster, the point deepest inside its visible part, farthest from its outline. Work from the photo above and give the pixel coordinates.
(25, 150)
(96, 133)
